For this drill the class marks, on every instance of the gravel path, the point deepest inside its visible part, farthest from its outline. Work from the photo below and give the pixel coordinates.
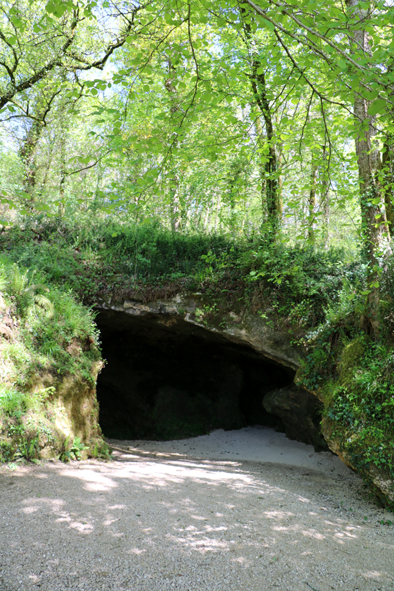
(241, 510)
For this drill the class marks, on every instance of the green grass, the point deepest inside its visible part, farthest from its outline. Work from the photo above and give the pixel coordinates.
(44, 333)
(96, 259)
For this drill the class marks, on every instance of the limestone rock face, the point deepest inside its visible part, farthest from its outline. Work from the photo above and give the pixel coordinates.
(192, 309)
(168, 380)
(75, 412)
(379, 480)
(300, 412)
(176, 367)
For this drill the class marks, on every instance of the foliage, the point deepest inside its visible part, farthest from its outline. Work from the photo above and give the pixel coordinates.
(353, 373)
(230, 125)
(175, 129)
(364, 409)
(101, 451)
(14, 403)
(319, 294)
(97, 258)
(72, 253)
(303, 283)
(72, 450)
(43, 337)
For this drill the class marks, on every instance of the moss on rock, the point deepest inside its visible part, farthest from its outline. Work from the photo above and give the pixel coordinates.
(350, 358)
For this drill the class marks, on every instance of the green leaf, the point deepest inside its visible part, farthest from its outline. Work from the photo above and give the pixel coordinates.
(268, 24)
(355, 84)
(377, 107)
(17, 22)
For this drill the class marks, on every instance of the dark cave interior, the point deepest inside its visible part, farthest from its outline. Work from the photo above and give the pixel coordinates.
(165, 378)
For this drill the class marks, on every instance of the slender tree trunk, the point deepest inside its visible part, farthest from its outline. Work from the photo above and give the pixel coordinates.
(217, 213)
(175, 208)
(48, 165)
(27, 154)
(388, 183)
(325, 200)
(312, 203)
(280, 187)
(271, 161)
(63, 172)
(260, 144)
(325, 207)
(259, 89)
(374, 225)
(246, 221)
(206, 219)
(232, 206)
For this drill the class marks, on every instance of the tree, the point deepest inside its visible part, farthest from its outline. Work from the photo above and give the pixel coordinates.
(270, 169)
(38, 39)
(373, 215)
(209, 114)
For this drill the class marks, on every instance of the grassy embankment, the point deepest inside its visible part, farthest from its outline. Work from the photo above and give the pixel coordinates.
(48, 352)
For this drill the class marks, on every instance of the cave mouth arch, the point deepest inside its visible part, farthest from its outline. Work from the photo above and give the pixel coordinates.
(166, 378)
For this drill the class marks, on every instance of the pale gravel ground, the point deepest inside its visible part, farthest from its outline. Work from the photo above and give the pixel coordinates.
(240, 510)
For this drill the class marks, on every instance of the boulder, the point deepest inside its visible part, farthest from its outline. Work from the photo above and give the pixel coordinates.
(300, 412)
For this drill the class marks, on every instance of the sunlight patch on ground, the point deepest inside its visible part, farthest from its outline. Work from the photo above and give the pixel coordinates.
(94, 481)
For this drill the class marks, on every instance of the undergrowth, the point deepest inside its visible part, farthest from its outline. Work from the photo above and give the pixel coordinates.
(354, 376)
(45, 336)
(99, 259)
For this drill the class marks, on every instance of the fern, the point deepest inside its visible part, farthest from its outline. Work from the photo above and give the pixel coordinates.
(42, 305)
(3, 279)
(18, 281)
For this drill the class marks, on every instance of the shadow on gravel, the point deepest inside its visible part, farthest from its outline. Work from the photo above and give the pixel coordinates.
(142, 507)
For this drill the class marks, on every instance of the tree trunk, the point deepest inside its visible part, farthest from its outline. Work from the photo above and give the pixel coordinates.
(217, 213)
(206, 220)
(259, 89)
(271, 160)
(260, 144)
(175, 208)
(325, 200)
(63, 172)
(312, 203)
(325, 207)
(234, 176)
(27, 153)
(280, 186)
(373, 220)
(388, 182)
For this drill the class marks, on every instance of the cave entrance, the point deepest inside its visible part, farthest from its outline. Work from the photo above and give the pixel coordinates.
(166, 379)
